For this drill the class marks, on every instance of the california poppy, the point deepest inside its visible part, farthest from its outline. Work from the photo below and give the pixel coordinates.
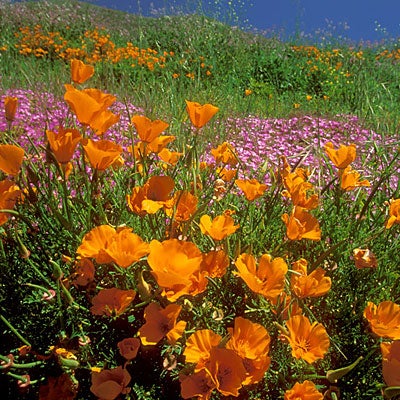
(80, 72)
(218, 228)
(303, 285)
(112, 302)
(394, 213)
(341, 157)
(215, 263)
(300, 224)
(350, 179)
(169, 157)
(200, 114)
(63, 143)
(384, 319)
(101, 153)
(183, 206)
(309, 342)
(128, 347)
(251, 342)
(364, 258)
(9, 194)
(299, 190)
(391, 362)
(198, 384)
(110, 383)
(303, 391)
(267, 279)
(251, 188)
(11, 157)
(161, 322)
(225, 154)
(147, 129)
(84, 272)
(175, 265)
(10, 107)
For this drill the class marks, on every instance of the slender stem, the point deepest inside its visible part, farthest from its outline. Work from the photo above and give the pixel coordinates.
(13, 330)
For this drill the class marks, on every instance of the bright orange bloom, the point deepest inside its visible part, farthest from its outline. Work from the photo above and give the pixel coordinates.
(350, 179)
(90, 107)
(308, 341)
(176, 265)
(63, 143)
(341, 157)
(303, 391)
(83, 273)
(298, 190)
(199, 345)
(152, 196)
(183, 206)
(128, 348)
(215, 263)
(101, 153)
(391, 362)
(226, 370)
(200, 114)
(251, 188)
(364, 258)
(394, 213)
(301, 225)
(161, 322)
(250, 341)
(169, 157)
(304, 285)
(110, 383)
(384, 319)
(197, 385)
(112, 302)
(225, 154)
(219, 228)
(10, 108)
(11, 158)
(147, 129)
(9, 194)
(80, 72)
(268, 279)
(159, 143)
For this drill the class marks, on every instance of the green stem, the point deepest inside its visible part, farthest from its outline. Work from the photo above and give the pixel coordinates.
(13, 330)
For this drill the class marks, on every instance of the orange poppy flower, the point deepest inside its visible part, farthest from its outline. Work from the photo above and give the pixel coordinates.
(198, 347)
(183, 206)
(304, 285)
(267, 279)
(251, 188)
(9, 194)
(301, 225)
(59, 387)
(364, 258)
(125, 247)
(110, 383)
(225, 154)
(250, 341)
(226, 370)
(197, 385)
(161, 322)
(147, 129)
(215, 263)
(63, 143)
(10, 108)
(129, 347)
(350, 179)
(341, 157)
(298, 190)
(83, 273)
(169, 157)
(303, 391)
(394, 213)
(159, 143)
(175, 265)
(226, 174)
(200, 114)
(112, 302)
(90, 107)
(152, 196)
(309, 342)
(384, 319)
(101, 153)
(391, 362)
(218, 228)
(11, 158)
(80, 72)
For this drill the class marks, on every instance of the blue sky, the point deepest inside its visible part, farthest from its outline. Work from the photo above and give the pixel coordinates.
(366, 20)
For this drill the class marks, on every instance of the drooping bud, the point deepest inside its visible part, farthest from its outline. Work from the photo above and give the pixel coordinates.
(333, 375)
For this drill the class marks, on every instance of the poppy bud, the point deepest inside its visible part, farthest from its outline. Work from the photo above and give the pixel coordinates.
(334, 375)
(10, 106)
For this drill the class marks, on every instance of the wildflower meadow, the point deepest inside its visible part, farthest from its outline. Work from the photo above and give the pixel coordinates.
(189, 210)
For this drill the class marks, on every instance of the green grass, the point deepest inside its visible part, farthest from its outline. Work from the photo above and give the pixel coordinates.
(287, 80)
